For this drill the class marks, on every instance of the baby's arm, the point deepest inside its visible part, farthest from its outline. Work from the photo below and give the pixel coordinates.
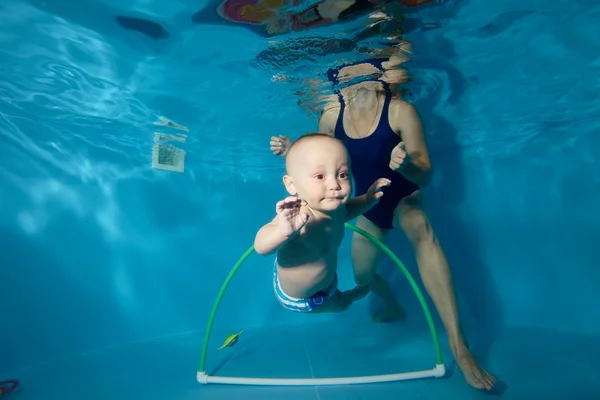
(358, 206)
(284, 227)
(269, 239)
(363, 203)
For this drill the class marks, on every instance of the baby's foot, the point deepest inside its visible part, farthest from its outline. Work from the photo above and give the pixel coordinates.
(389, 314)
(359, 292)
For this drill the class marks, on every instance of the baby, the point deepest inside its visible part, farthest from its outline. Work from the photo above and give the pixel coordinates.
(309, 226)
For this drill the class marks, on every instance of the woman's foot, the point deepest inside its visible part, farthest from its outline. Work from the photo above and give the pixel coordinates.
(474, 374)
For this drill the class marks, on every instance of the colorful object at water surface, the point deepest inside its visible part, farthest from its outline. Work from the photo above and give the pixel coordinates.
(261, 11)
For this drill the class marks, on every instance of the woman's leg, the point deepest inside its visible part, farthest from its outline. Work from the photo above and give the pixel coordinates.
(435, 273)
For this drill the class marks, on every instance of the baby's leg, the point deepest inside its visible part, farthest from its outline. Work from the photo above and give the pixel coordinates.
(358, 293)
(340, 301)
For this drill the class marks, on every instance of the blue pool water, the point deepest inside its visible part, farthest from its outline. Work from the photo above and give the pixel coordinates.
(109, 268)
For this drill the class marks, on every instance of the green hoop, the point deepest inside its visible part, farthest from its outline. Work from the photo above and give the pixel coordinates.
(374, 240)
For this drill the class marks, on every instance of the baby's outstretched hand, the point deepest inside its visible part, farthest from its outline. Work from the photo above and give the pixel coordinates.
(290, 218)
(374, 193)
(280, 145)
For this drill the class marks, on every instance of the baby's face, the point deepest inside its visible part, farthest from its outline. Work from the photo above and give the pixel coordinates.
(322, 176)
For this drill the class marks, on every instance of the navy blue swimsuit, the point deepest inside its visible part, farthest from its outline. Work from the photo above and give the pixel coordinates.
(370, 160)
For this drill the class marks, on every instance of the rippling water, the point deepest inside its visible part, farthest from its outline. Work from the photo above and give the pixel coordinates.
(68, 88)
(82, 100)
(79, 98)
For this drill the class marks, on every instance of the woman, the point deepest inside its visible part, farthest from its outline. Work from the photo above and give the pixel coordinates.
(384, 136)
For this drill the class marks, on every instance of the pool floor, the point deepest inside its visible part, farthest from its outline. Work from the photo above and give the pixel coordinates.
(533, 364)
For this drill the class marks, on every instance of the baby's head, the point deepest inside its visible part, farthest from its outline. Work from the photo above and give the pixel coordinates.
(318, 171)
